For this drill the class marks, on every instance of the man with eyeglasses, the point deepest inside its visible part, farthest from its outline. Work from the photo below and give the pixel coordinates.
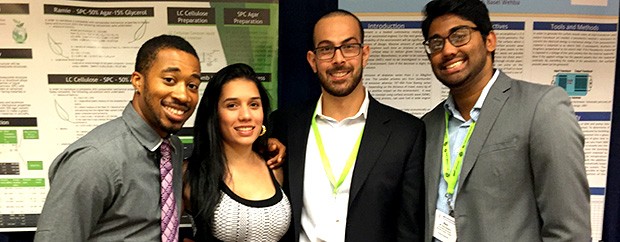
(354, 168)
(504, 158)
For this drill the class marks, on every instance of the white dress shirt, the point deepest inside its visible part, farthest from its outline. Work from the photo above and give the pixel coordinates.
(323, 215)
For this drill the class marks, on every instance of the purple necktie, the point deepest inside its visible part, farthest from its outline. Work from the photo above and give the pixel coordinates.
(169, 220)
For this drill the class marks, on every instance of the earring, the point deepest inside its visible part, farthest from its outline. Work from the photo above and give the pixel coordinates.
(263, 131)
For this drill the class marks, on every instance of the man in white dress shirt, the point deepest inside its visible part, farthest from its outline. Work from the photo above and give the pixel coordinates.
(354, 169)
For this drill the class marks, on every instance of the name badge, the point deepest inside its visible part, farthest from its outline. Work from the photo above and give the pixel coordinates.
(445, 227)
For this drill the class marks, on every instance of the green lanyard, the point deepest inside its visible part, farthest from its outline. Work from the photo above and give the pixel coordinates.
(451, 174)
(325, 160)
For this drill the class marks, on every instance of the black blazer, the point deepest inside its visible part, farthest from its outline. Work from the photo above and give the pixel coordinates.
(386, 199)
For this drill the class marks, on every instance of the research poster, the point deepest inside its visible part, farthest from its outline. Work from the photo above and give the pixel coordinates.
(567, 43)
(65, 67)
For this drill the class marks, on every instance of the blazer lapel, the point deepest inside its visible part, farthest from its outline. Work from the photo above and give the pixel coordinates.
(299, 127)
(491, 108)
(373, 141)
(435, 127)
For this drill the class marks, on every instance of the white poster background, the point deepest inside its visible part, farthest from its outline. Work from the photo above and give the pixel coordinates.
(535, 43)
(82, 54)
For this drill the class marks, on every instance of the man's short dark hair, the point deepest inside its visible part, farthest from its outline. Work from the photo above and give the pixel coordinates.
(473, 10)
(338, 12)
(150, 48)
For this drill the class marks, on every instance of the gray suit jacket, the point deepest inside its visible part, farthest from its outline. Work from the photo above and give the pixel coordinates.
(523, 177)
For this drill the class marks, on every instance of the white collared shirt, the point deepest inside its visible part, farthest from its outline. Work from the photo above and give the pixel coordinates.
(323, 215)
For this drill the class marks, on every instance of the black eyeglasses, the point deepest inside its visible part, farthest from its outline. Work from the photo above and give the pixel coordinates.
(458, 37)
(347, 50)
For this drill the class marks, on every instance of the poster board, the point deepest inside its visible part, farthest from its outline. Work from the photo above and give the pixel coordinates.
(568, 43)
(65, 68)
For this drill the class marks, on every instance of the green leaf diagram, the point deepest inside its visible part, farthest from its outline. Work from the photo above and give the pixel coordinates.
(139, 33)
(62, 113)
(55, 46)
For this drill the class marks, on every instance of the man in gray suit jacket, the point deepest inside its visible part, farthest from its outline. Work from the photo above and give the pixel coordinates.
(504, 158)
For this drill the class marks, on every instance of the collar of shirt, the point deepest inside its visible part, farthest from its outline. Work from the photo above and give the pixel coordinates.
(475, 112)
(323, 216)
(457, 129)
(141, 130)
(361, 114)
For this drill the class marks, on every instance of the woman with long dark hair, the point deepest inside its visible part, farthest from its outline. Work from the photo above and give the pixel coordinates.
(229, 190)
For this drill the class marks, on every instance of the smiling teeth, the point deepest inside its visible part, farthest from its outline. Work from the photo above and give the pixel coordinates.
(244, 128)
(339, 74)
(455, 64)
(175, 111)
